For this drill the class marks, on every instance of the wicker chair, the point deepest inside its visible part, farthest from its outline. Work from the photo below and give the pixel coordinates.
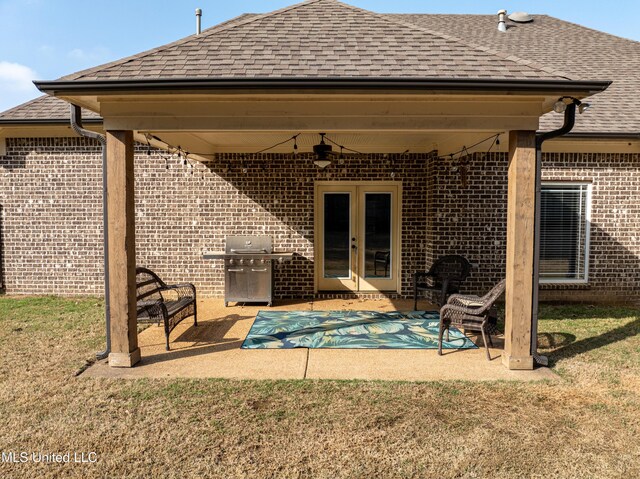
(444, 277)
(158, 301)
(472, 313)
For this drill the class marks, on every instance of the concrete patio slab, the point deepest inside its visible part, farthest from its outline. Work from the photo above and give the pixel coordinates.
(415, 365)
(212, 350)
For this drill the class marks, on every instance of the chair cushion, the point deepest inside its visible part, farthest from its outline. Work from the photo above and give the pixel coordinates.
(470, 302)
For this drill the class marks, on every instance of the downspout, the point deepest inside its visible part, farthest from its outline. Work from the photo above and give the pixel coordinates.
(76, 124)
(569, 122)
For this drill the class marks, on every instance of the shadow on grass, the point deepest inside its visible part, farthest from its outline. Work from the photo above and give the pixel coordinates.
(569, 347)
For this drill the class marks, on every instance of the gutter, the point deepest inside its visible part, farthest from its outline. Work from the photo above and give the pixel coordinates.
(569, 123)
(45, 121)
(600, 136)
(76, 124)
(350, 83)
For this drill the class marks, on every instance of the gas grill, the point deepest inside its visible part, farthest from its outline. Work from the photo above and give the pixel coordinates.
(248, 268)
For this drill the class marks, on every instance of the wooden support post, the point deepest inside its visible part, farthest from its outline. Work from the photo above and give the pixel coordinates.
(520, 250)
(122, 251)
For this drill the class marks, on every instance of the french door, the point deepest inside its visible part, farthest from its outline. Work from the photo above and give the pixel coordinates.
(357, 243)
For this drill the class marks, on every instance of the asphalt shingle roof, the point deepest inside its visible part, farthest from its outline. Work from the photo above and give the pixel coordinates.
(323, 39)
(326, 38)
(583, 53)
(43, 108)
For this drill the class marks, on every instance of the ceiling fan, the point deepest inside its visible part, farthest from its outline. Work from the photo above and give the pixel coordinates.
(324, 154)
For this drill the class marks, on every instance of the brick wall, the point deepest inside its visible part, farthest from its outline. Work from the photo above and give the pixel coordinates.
(51, 224)
(51, 195)
(469, 218)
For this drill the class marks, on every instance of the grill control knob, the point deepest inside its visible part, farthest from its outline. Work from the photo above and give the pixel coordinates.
(231, 262)
(241, 261)
(262, 261)
(251, 261)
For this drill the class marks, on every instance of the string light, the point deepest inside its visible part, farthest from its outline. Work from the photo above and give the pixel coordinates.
(451, 156)
(294, 138)
(342, 147)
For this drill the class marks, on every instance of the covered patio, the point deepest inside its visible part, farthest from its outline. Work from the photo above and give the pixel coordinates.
(247, 87)
(388, 109)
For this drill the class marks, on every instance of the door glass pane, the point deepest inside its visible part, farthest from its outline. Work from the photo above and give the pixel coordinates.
(377, 254)
(337, 232)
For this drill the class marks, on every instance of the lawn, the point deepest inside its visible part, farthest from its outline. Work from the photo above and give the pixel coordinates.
(586, 425)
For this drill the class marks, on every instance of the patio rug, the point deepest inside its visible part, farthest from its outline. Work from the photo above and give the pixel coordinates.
(350, 330)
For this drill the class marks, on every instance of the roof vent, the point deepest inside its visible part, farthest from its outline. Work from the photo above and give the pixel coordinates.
(520, 17)
(198, 21)
(502, 26)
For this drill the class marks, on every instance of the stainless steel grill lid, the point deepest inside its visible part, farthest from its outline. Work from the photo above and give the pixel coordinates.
(259, 244)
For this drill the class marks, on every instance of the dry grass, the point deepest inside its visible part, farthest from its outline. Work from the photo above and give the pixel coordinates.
(588, 425)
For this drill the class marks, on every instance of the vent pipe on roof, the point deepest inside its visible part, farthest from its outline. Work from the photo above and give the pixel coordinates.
(502, 26)
(198, 21)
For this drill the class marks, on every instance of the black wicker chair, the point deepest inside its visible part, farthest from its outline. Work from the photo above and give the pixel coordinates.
(472, 313)
(444, 277)
(382, 258)
(158, 301)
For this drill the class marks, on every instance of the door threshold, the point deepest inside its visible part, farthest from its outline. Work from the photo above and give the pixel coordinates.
(358, 295)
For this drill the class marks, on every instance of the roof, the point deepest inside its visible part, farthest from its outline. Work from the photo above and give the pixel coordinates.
(581, 52)
(44, 109)
(329, 39)
(318, 38)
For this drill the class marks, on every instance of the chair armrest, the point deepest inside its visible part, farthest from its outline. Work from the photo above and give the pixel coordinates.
(422, 275)
(471, 311)
(183, 290)
(451, 309)
(466, 300)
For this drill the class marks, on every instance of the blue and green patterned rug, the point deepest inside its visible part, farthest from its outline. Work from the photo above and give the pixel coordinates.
(350, 330)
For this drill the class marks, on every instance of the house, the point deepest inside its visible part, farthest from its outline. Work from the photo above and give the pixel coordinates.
(436, 119)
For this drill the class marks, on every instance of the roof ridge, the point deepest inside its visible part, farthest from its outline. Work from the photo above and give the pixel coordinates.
(206, 33)
(512, 58)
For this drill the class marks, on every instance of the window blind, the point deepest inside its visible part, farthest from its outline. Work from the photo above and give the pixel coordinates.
(564, 232)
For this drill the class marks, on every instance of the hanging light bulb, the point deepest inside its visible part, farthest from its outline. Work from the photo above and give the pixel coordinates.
(295, 145)
(560, 106)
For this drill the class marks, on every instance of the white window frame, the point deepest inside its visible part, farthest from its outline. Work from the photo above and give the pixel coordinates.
(587, 242)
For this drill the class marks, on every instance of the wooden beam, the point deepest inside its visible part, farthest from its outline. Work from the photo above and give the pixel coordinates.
(520, 250)
(122, 252)
(314, 124)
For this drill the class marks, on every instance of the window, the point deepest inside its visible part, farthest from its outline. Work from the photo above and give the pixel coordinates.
(564, 232)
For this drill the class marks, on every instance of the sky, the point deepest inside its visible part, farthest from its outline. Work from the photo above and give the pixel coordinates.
(47, 39)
